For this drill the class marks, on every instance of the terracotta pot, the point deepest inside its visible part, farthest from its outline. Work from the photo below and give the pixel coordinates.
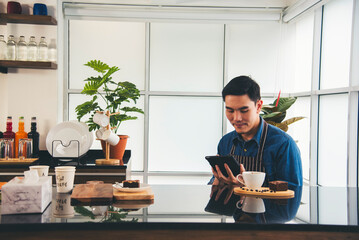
(117, 151)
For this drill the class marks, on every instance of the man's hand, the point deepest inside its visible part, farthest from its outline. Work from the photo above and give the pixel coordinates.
(221, 178)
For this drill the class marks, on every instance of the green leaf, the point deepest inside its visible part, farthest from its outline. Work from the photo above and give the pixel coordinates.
(87, 107)
(292, 120)
(91, 88)
(84, 212)
(285, 103)
(98, 66)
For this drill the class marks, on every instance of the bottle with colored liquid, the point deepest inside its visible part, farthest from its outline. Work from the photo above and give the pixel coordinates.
(20, 134)
(9, 133)
(35, 136)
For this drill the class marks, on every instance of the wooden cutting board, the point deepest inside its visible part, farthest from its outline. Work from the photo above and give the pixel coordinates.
(144, 195)
(264, 192)
(92, 194)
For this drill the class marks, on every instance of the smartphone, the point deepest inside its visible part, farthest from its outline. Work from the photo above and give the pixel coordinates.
(221, 160)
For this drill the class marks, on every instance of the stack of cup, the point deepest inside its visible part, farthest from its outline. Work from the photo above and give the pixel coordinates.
(42, 170)
(105, 134)
(65, 176)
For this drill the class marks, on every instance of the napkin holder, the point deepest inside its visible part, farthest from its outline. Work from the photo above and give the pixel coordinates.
(18, 197)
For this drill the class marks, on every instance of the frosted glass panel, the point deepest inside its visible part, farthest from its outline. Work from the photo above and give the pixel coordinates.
(182, 131)
(119, 44)
(336, 42)
(300, 130)
(133, 128)
(327, 214)
(297, 59)
(186, 57)
(332, 146)
(253, 49)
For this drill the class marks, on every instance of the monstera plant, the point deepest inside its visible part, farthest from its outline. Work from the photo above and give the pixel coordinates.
(113, 93)
(276, 112)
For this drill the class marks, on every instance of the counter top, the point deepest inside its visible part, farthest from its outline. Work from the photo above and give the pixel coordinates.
(198, 211)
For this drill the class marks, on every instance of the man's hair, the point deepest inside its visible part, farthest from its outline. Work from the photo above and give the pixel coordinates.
(242, 85)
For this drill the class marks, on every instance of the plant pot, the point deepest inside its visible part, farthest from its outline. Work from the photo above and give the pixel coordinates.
(117, 151)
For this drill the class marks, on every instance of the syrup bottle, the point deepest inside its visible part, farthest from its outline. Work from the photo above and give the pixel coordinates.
(9, 133)
(35, 136)
(20, 134)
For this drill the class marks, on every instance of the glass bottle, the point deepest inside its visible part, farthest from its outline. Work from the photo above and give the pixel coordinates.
(32, 49)
(9, 133)
(2, 48)
(20, 134)
(43, 50)
(21, 49)
(52, 51)
(11, 49)
(35, 136)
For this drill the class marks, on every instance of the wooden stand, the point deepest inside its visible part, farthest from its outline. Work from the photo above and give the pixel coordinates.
(107, 160)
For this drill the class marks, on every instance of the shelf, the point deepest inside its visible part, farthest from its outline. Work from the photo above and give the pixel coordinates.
(5, 64)
(26, 19)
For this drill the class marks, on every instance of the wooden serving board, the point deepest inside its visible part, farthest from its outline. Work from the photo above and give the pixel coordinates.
(264, 194)
(144, 195)
(92, 194)
(12, 161)
(133, 204)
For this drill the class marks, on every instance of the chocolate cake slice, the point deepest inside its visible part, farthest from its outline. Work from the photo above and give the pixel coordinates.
(278, 186)
(131, 183)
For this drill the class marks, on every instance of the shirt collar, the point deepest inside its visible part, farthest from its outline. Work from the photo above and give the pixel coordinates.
(256, 138)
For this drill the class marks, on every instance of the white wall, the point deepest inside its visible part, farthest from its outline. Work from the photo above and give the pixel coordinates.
(29, 92)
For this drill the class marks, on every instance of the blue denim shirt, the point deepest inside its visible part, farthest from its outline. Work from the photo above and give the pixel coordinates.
(281, 156)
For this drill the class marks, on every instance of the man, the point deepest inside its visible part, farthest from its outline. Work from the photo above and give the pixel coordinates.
(257, 145)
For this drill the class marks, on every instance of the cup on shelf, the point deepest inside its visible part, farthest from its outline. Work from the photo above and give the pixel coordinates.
(42, 170)
(14, 7)
(40, 9)
(25, 148)
(65, 176)
(101, 119)
(6, 148)
(110, 137)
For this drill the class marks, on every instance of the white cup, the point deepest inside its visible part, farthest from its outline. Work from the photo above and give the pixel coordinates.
(253, 205)
(110, 137)
(62, 207)
(101, 119)
(65, 176)
(253, 180)
(99, 133)
(42, 170)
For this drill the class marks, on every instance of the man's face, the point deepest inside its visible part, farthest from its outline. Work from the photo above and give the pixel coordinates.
(243, 114)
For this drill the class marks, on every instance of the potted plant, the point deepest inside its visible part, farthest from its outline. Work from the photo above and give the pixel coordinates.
(275, 112)
(113, 94)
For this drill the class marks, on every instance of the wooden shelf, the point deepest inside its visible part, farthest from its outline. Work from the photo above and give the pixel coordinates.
(26, 19)
(5, 64)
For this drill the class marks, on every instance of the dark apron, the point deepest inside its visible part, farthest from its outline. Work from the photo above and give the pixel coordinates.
(253, 163)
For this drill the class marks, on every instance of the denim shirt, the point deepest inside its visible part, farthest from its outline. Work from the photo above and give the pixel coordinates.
(281, 156)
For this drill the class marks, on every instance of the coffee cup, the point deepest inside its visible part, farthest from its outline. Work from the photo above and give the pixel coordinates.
(42, 170)
(101, 119)
(40, 9)
(62, 207)
(253, 180)
(65, 176)
(253, 205)
(14, 7)
(100, 132)
(110, 137)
